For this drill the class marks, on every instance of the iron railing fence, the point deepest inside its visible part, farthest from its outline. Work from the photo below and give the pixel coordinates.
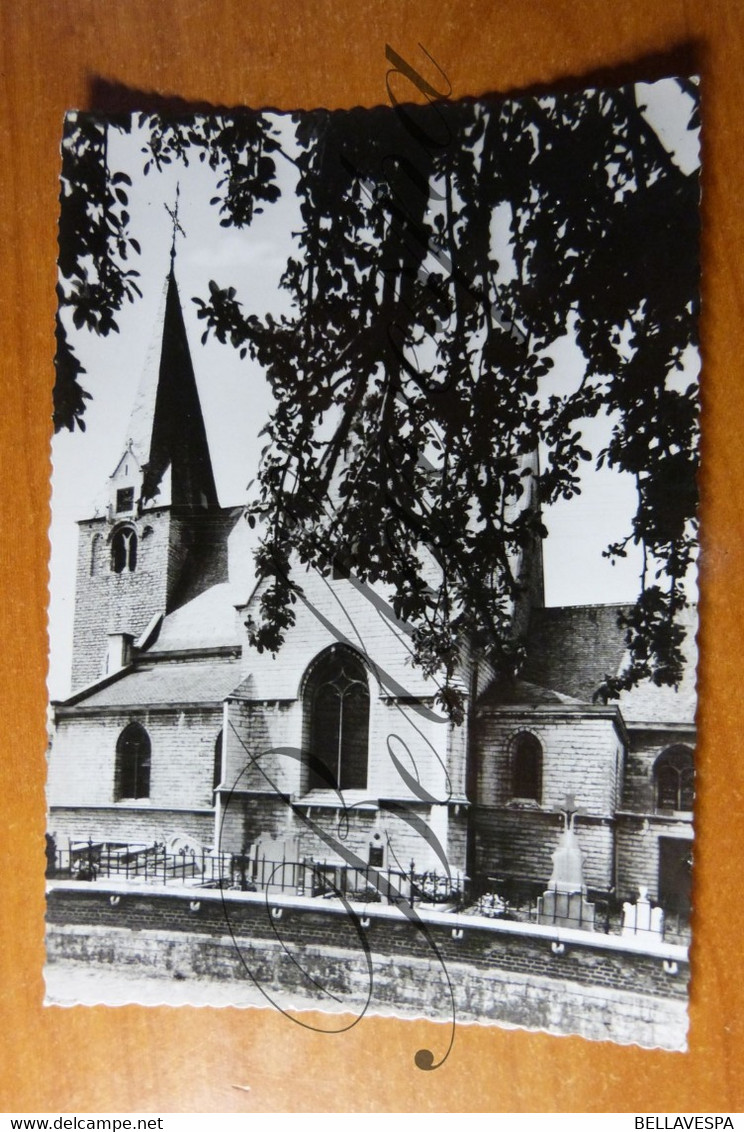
(370, 884)
(91, 860)
(503, 899)
(254, 872)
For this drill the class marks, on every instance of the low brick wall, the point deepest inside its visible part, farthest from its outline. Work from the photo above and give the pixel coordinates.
(600, 987)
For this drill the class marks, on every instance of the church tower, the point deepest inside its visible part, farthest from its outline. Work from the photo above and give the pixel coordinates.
(156, 537)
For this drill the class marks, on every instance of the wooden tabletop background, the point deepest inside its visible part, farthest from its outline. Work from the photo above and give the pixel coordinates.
(60, 54)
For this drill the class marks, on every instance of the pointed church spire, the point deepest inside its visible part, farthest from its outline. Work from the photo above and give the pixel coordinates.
(165, 434)
(178, 439)
(155, 542)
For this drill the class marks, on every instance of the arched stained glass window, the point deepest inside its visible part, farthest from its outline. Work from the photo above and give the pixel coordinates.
(527, 767)
(674, 779)
(124, 551)
(133, 753)
(337, 711)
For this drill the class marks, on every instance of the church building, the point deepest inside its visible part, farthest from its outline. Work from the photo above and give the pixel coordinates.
(178, 732)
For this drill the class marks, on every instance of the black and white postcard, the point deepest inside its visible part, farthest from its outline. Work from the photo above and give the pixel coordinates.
(373, 599)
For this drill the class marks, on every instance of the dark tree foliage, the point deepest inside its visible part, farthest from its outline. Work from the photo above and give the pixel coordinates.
(442, 250)
(94, 248)
(95, 279)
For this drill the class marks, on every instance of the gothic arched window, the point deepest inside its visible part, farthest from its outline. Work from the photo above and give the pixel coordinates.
(527, 767)
(133, 752)
(124, 550)
(674, 779)
(337, 718)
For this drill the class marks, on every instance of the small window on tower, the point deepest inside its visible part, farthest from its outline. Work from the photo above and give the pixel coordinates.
(125, 499)
(124, 551)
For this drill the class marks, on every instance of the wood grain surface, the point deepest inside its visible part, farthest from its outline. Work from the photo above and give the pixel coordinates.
(59, 54)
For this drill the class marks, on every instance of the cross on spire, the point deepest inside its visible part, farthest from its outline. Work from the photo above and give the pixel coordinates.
(173, 213)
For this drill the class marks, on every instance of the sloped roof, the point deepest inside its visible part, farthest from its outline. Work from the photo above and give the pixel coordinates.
(650, 704)
(178, 438)
(139, 428)
(502, 693)
(245, 689)
(207, 621)
(167, 682)
(571, 649)
(165, 432)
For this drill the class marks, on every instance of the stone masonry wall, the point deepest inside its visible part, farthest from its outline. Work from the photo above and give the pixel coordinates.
(270, 735)
(106, 602)
(639, 794)
(581, 756)
(138, 826)
(494, 975)
(333, 611)
(244, 820)
(83, 764)
(516, 845)
(638, 852)
(409, 740)
(168, 546)
(249, 917)
(329, 833)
